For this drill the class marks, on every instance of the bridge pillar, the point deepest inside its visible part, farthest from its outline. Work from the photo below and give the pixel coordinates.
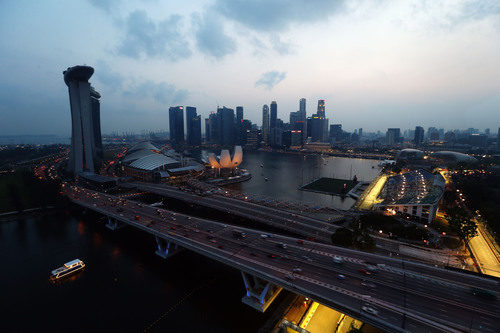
(166, 248)
(260, 293)
(113, 224)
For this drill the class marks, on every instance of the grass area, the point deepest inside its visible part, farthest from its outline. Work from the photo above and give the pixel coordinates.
(330, 185)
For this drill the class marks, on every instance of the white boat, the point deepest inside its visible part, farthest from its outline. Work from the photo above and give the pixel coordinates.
(69, 268)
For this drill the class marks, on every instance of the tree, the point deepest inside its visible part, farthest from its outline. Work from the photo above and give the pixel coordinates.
(461, 224)
(342, 237)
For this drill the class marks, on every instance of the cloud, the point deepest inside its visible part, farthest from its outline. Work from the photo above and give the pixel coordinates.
(145, 37)
(280, 46)
(210, 36)
(110, 79)
(270, 79)
(162, 92)
(276, 15)
(106, 5)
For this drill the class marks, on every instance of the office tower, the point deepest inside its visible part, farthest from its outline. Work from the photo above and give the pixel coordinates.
(227, 126)
(302, 106)
(86, 145)
(207, 129)
(335, 132)
(392, 136)
(321, 108)
(265, 123)
(360, 132)
(176, 123)
(246, 127)
(478, 140)
(238, 125)
(239, 114)
(419, 136)
(316, 128)
(302, 110)
(190, 115)
(196, 131)
(308, 127)
(487, 131)
(449, 137)
(215, 128)
(272, 123)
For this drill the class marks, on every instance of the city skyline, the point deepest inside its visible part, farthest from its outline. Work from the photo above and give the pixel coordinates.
(420, 65)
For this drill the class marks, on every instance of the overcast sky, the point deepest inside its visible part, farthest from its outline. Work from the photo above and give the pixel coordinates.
(378, 64)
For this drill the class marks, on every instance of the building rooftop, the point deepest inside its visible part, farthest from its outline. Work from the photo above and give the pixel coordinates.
(418, 187)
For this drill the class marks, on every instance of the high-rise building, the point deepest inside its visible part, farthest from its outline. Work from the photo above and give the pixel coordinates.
(239, 114)
(176, 123)
(190, 116)
(303, 114)
(227, 126)
(335, 132)
(272, 123)
(392, 136)
(238, 129)
(196, 131)
(419, 136)
(215, 128)
(321, 108)
(360, 133)
(86, 145)
(449, 137)
(207, 129)
(265, 123)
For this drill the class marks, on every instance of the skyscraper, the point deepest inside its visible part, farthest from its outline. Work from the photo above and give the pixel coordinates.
(190, 115)
(86, 145)
(207, 129)
(392, 136)
(176, 123)
(273, 123)
(227, 126)
(215, 129)
(238, 128)
(419, 136)
(498, 138)
(303, 115)
(239, 114)
(195, 138)
(321, 108)
(265, 123)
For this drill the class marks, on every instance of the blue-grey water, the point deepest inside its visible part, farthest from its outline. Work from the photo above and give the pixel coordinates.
(287, 172)
(125, 286)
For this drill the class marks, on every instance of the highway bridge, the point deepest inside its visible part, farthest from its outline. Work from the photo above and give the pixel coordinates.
(299, 224)
(394, 295)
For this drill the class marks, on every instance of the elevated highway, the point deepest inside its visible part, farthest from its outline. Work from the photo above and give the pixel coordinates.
(396, 296)
(305, 226)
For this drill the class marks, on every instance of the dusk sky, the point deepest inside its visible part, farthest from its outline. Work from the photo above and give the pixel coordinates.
(378, 64)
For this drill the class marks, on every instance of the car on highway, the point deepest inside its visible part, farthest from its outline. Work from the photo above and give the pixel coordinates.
(300, 241)
(253, 254)
(337, 260)
(297, 270)
(221, 247)
(272, 256)
(341, 276)
(370, 310)
(264, 236)
(282, 245)
(136, 217)
(290, 277)
(365, 271)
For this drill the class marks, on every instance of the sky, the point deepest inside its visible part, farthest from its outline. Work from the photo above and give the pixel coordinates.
(378, 63)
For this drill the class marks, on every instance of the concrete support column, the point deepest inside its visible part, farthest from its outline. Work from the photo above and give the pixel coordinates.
(259, 293)
(114, 224)
(165, 248)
